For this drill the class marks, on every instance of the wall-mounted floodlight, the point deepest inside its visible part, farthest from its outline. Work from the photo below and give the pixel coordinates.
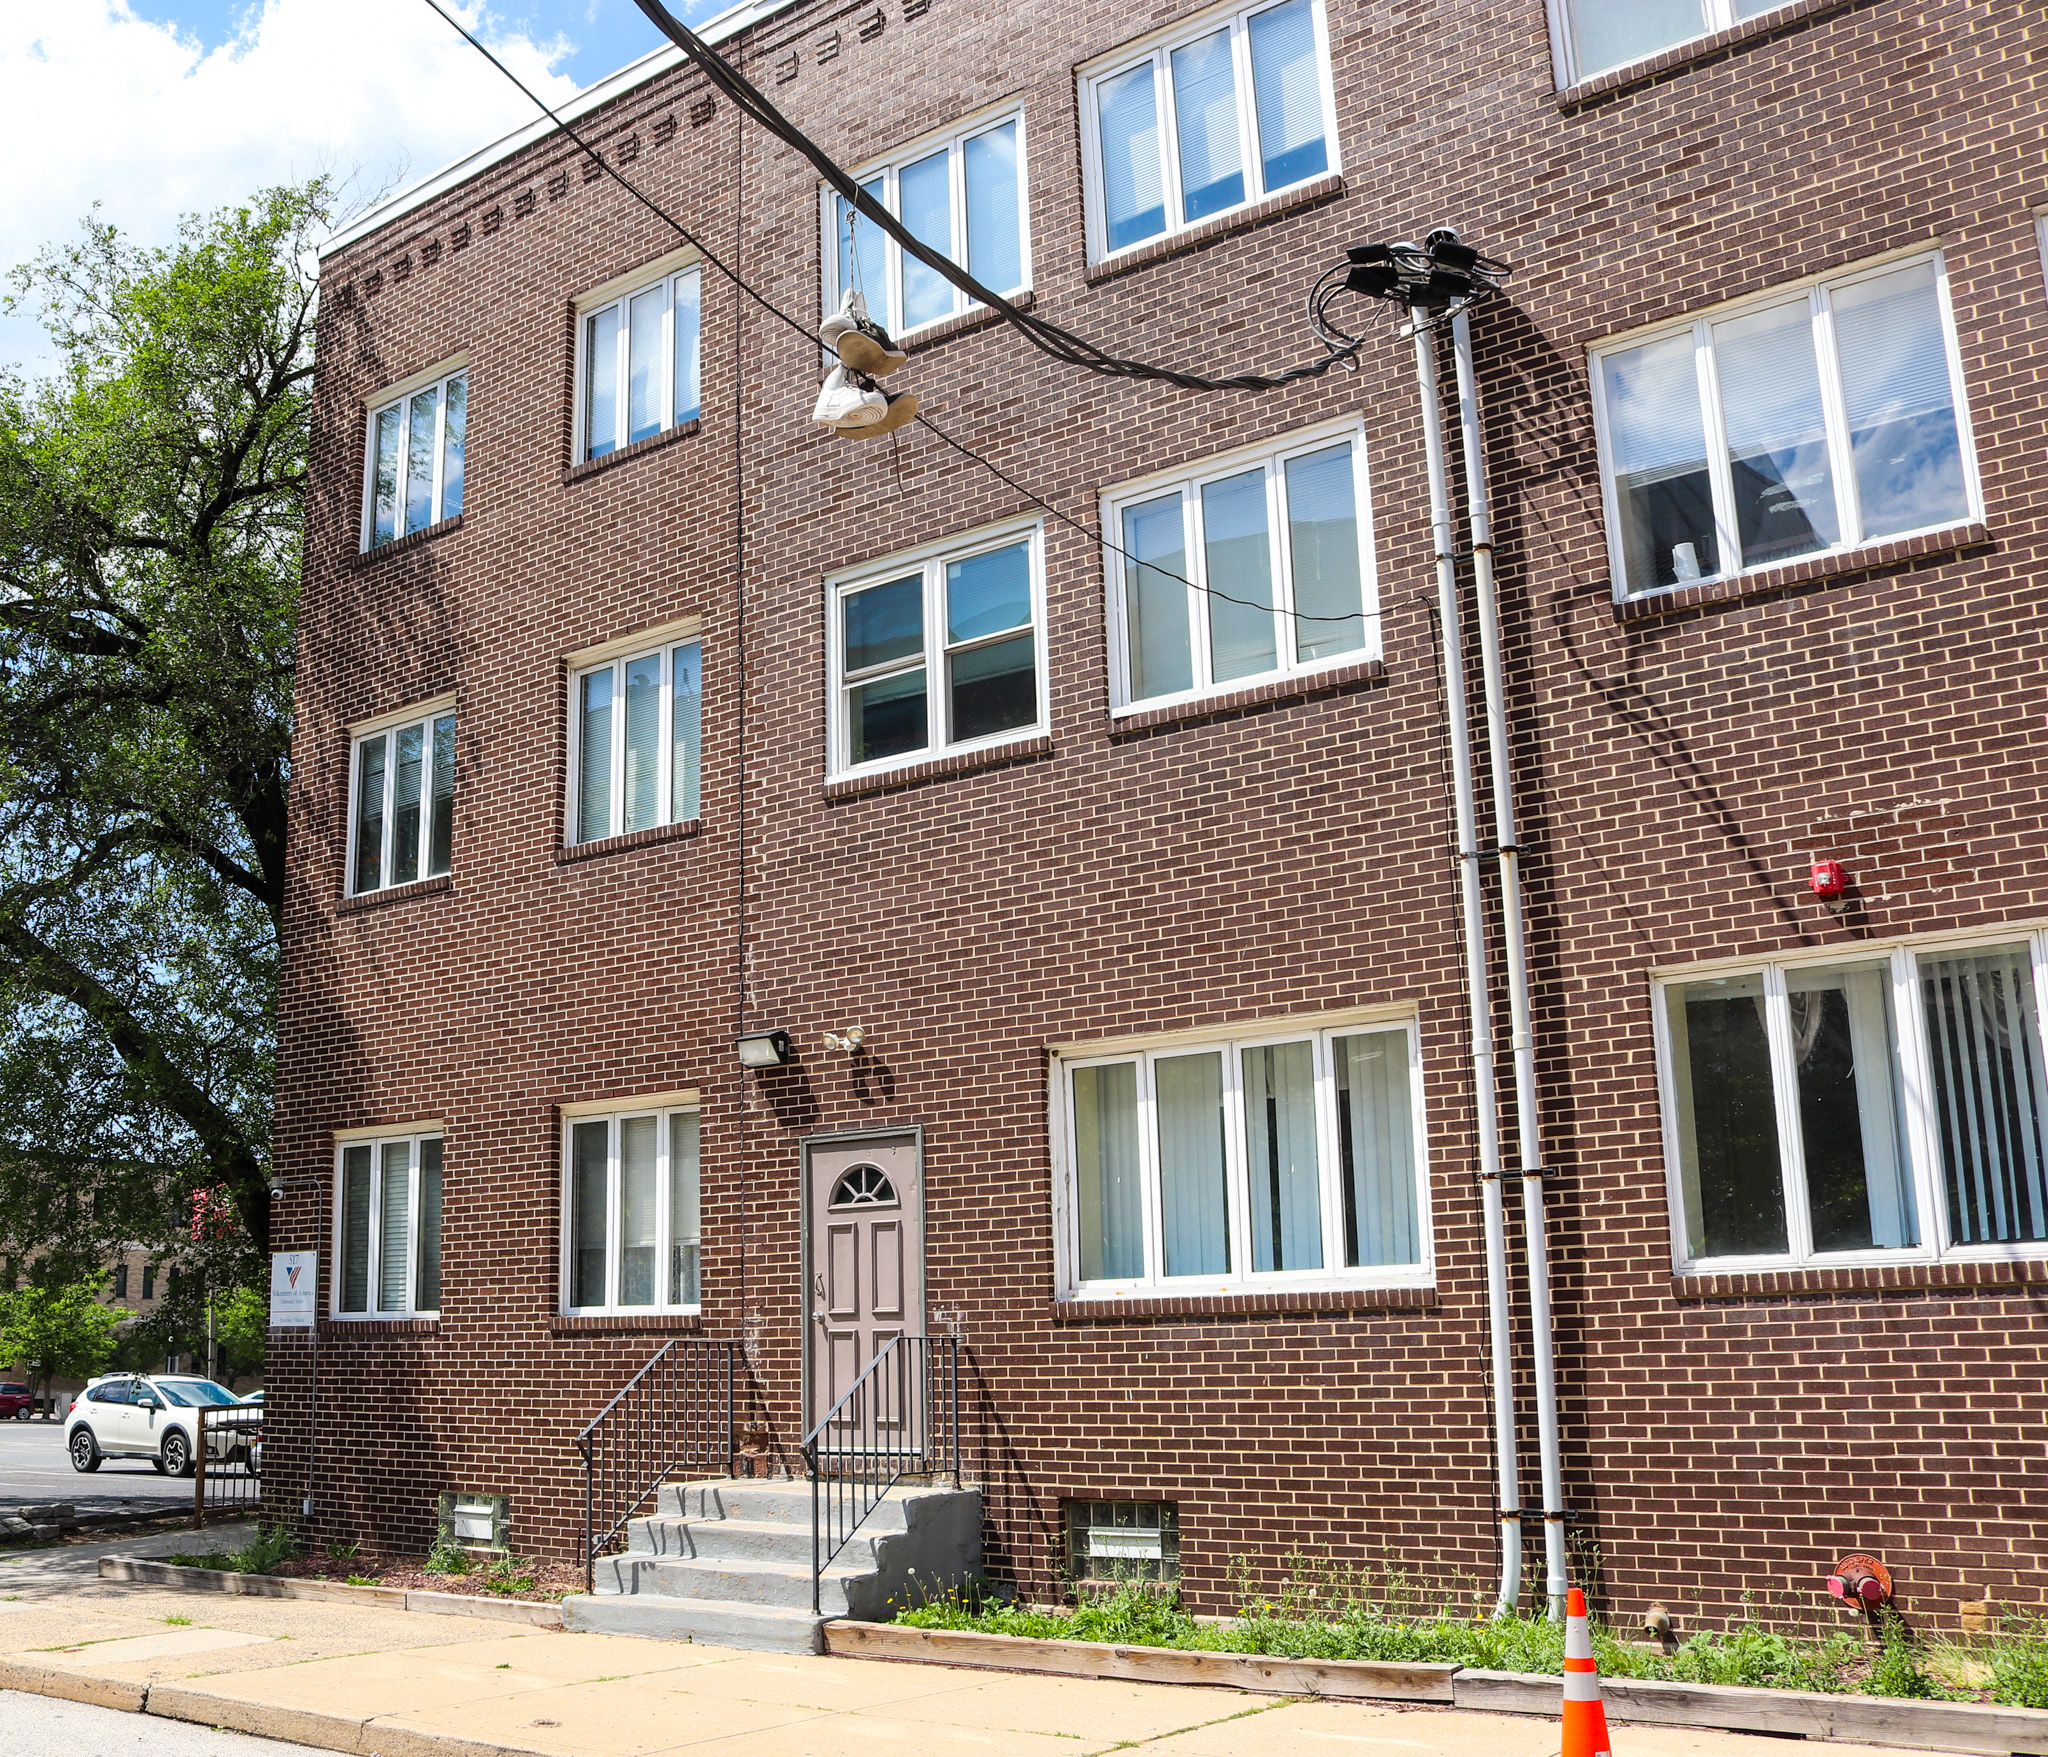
(764, 1049)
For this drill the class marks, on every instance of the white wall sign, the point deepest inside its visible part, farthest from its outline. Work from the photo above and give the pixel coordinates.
(293, 1275)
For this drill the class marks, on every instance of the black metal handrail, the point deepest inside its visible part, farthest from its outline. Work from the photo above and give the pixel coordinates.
(900, 1418)
(674, 1415)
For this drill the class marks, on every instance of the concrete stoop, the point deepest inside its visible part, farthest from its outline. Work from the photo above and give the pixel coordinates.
(728, 1563)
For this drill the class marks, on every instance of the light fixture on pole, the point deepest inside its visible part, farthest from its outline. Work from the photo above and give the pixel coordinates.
(764, 1049)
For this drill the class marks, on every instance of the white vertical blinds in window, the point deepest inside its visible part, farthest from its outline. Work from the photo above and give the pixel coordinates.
(1990, 1101)
(1287, 83)
(393, 1240)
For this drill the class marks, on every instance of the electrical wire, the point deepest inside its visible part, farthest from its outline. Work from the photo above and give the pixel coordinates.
(1324, 291)
(1048, 338)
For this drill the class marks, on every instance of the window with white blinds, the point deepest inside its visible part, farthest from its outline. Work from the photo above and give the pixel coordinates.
(1225, 111)
(1818, 418)
(1876, 1107)
(1251, 1161)
(631, 1222)
(388, 1223)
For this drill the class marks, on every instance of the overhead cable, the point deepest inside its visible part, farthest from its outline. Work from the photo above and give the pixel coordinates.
(1048, 338)
(1093, 535)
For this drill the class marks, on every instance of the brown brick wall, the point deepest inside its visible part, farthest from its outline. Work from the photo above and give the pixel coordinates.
(1275, 856)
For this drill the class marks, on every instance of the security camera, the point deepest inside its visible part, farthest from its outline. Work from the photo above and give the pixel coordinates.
(276, 1189)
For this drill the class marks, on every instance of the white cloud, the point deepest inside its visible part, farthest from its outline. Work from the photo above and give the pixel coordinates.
(101, 105)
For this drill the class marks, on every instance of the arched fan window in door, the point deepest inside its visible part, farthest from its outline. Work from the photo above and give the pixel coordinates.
(863, 1186)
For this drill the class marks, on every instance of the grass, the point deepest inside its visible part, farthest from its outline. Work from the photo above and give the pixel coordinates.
(178, 1621)
(1321, 1611)
(260, 1555)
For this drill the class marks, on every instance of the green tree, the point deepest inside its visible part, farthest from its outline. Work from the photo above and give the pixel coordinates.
(150, 504)
(56, 1332)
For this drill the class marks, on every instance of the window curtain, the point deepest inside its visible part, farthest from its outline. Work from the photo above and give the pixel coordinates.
(685, 1210)
(1376, 1141)
(1106, 1166)
(1281, 1159)
(1989, 1097)
(1194, 1212)
(427, 1278)
(394, 1203)
(589, 1207)
(637, 1185)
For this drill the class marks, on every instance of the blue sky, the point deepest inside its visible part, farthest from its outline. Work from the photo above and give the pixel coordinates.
(197, 103)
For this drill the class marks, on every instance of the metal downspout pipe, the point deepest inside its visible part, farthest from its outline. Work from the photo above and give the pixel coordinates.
(1477, 994)
(1522, 1035)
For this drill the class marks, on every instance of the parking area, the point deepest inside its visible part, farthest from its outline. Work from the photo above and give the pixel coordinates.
(33, 1467)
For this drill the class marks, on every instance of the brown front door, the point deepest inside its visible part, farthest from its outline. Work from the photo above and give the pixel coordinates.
(864, 1262)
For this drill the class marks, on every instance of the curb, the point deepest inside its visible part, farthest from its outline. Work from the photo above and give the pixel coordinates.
(136, 1571)
(1872, 1720)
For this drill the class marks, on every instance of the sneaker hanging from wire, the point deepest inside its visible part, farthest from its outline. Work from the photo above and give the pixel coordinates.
(847, 403)
(902, 411)
(858, 340)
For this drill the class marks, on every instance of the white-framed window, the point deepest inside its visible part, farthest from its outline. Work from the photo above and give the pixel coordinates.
(1210, 118)
(631, 1227)
(966, 195)
(1820, 417)
(1271, 1159)
(1250, 566)
(939, 650)
(1858, 1105)
(636, 734)
(414, 474)
(387, 1225)
(637, 363)
(402, 802)
(1592, 36)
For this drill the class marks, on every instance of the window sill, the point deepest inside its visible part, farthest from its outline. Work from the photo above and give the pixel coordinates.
(1248, 1305)
(412, 540)
(1863, 1279)
(1298, 687)
(631, 839)
(369, 1327)
(1832, 568)
(1331, 183)
(658, 1323)
(913, 774)
(1686, 54)
(426, 887)
(948, 327)
(639, 448)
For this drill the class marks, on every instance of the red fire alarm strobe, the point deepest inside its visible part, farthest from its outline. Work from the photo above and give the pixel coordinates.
(1828, 879)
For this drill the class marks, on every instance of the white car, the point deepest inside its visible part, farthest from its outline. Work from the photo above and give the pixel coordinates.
(154, 1416)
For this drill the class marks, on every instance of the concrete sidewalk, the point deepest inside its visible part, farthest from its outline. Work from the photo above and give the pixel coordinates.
(388, 1683)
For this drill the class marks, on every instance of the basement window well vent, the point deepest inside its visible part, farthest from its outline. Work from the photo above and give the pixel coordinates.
(1110, 1542)
(479, 1524)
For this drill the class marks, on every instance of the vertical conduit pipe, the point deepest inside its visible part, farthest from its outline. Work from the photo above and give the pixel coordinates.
(1528, 1124)
(1478, 998)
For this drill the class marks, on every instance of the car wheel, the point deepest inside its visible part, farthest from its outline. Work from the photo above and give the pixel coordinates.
(85, 1450)
(177, 1454)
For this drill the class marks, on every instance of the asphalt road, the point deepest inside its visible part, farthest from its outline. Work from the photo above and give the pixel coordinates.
(42, 1723)
(33, 1467)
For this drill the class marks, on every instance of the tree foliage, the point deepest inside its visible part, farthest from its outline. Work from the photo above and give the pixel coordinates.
(150, 496)
(56, 1332)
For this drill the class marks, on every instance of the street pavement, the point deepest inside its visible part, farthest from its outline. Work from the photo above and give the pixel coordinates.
(35, 1468)
(41, 1723)
(424, 1684)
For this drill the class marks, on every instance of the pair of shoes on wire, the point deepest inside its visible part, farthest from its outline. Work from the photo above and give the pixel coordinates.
(858, 340)
(850, 404)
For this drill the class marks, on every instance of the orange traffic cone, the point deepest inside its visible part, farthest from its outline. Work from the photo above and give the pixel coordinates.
(1585, 1718)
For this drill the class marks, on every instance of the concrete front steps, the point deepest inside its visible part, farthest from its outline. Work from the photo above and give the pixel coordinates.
(728, 1563)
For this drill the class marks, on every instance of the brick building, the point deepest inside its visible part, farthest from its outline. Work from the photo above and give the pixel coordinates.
(636, 712)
